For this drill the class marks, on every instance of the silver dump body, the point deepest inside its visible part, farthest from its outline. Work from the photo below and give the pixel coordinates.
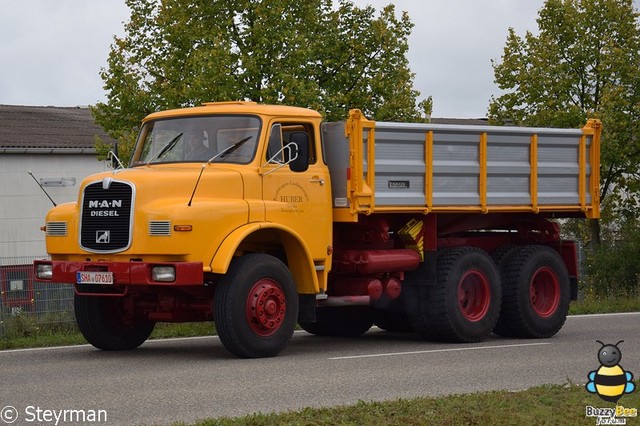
(451, 167)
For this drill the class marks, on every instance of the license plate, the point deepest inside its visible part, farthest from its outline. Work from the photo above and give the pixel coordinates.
(94, 277)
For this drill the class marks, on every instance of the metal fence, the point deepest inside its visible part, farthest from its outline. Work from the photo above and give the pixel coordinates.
(29, 307)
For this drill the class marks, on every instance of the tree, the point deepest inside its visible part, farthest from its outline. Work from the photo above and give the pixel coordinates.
(583, 63)
(180, 53)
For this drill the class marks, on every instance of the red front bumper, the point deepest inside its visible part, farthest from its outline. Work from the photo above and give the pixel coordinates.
(124, 273)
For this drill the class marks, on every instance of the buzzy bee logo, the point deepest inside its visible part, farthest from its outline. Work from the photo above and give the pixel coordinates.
(610, 382)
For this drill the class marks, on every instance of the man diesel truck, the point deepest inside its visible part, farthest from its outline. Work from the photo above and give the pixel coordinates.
(258, 217)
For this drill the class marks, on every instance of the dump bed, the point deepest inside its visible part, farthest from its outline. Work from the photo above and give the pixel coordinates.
(401, 167)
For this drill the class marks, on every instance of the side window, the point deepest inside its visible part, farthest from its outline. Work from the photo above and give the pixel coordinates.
(274, 149)
(281, 136)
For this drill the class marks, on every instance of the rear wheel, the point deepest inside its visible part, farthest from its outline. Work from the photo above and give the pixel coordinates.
(342, 321)
(104, 323)
(536, 293)
(256, 306)
(464, 304)
(501, 257)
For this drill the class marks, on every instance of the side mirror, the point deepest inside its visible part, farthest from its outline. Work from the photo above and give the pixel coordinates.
(300, 161)
(113, 162)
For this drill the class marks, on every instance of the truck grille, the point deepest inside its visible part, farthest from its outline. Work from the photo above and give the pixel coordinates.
(107, 208)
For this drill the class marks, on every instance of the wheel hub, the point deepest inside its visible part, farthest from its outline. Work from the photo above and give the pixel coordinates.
(266, 307)
(474, 295)
(544, 292)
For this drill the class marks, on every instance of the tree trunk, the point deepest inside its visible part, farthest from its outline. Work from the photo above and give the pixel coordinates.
(594, 234)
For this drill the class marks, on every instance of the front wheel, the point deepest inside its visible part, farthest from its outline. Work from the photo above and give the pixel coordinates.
(256, 306)
(104, 323)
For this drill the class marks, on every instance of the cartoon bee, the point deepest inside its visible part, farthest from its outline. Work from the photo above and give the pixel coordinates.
(610, 381)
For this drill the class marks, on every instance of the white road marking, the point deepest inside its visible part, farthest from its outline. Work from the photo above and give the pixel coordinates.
(439, 350)
(86, 345)
(44, 348)
(602, 315)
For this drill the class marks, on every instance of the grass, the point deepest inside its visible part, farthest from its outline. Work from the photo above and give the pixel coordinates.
(44, 337)
(600, 305)
(548, 404)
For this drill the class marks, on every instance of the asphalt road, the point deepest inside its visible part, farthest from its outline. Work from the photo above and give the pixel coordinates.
(190, 379)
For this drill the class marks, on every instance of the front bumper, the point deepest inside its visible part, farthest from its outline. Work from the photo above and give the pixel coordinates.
(124, 273)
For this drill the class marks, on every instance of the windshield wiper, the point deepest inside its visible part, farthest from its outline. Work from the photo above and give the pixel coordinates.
(229, 149)
(168, 147)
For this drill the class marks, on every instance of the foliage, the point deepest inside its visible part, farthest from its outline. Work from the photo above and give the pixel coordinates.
(591, 303)
(583, 63)
(614, 268)
(179, 53)
(27, 330)
(611, 269)
(182, 329)
(28, 325)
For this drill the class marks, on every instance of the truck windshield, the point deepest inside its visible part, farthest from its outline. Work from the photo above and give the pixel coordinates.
(219, 138)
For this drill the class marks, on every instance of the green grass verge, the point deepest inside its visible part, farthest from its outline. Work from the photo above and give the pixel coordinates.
(599, 305)
(35, 336)
(26, 331)
(541, 405)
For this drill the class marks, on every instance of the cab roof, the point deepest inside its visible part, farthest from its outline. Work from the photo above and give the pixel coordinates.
(235, 107)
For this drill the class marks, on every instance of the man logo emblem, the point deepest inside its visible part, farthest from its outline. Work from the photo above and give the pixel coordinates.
(103, 237)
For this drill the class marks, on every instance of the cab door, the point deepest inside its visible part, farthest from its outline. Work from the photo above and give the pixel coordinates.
(299, 200)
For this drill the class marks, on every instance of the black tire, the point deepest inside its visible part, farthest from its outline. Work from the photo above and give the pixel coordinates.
(536, 293)
(502, 254)
(256, 306)
(393, 317)
(314, 328)
(501, 257)
(340, 321)
(397, 322)
(464, 304)
(102, 322)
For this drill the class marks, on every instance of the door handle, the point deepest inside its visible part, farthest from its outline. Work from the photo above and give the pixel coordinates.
(319, 180)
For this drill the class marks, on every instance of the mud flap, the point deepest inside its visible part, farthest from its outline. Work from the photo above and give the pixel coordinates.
(307, 308)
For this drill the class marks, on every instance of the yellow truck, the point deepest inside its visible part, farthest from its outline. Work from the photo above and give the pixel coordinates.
(258, 217)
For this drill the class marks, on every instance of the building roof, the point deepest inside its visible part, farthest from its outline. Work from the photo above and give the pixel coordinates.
(38, 127)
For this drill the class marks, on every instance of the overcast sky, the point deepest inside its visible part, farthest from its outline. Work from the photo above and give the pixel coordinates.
(51, 51)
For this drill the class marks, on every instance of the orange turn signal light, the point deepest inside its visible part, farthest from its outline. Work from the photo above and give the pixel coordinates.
(182, 228)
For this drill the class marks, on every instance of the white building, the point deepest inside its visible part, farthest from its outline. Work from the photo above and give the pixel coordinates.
(57, 146)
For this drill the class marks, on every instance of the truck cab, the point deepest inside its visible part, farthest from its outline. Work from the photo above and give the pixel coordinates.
(205, 186)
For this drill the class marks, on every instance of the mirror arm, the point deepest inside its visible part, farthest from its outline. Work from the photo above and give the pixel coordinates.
(289, 148)
(113, 156)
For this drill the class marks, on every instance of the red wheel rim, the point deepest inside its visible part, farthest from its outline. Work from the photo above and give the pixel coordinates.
(544, 292)
(266, 307)
(474, 295)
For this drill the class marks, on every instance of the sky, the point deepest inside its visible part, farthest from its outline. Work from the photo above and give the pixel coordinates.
(51, 52)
